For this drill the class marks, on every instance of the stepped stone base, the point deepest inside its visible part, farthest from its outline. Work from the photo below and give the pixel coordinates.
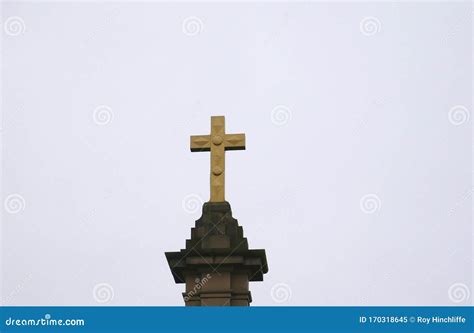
(216, 264)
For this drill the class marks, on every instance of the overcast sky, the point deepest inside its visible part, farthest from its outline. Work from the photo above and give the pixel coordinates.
(356, 178)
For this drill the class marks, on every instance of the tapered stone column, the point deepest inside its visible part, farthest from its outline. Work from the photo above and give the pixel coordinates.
(216, 266)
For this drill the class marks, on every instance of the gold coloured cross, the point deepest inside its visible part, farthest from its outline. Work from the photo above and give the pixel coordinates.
(218, 142)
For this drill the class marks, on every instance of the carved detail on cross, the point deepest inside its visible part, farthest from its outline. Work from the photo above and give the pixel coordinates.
(217, 143)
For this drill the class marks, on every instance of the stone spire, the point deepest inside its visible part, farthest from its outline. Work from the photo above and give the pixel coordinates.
(217, 265)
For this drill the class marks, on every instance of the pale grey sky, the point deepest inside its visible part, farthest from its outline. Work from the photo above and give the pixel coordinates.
(356, 178)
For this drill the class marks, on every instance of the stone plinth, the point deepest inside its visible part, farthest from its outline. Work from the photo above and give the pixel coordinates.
(216, 264)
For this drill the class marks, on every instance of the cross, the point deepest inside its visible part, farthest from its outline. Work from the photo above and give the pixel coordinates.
(217, 143)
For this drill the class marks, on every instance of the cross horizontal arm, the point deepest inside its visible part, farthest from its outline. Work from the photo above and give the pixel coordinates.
(200, 143)
(235, 141)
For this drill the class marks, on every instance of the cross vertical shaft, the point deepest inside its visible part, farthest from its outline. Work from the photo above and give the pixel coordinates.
(217, 159)
(217, 143)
